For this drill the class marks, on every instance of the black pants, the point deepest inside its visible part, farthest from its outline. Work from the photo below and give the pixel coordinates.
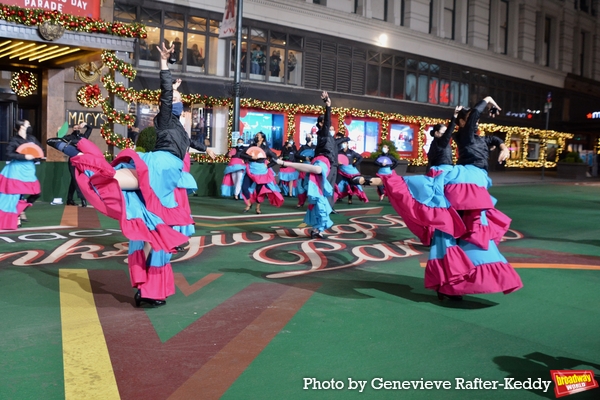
(331, 178)
(73, 186)
(32, 198)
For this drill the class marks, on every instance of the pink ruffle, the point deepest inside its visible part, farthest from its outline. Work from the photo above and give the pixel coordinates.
(351, 190)
(287, 170)
(235, 161)
(302, 198)
(467, 196)
(103, 192)
(275, 198)
(345, 175)
(15, 186)
(154, 283)
(262, 179)
(455, 275)
(479, 234)
(10, 220)
(422, 220)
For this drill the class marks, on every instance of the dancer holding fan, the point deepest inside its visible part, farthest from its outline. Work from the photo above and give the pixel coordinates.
(18, 178)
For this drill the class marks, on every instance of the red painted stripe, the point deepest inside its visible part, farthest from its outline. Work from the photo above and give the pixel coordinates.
(217, 375)
(146, 368)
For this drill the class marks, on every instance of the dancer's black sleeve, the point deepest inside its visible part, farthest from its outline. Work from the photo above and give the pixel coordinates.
(88, 131)
(163, 118)
(11, 150)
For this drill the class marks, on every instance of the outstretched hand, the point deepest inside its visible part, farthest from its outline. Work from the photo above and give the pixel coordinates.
(176, 84)
(164, 51)
(210, 152)
(504, 154)
(325, 98)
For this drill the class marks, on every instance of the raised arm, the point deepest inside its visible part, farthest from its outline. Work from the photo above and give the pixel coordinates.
(445, 139)
(166, 88)
(88, 130)
(324, 131)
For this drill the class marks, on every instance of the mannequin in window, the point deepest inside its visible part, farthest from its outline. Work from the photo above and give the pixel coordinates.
(291, 63)
(275, 62)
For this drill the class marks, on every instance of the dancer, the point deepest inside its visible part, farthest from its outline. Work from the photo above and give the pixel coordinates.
(18, 179)
(288, 177)
(348, 160)
(326, 145)
(386, 163)
(305, 155)
(318, 190)
(259, 181)
(73, 139)
(140, 191)
(234, 172)
(452, 210)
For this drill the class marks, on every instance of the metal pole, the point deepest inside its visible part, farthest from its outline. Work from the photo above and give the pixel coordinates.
(547, 121)
(238, 68)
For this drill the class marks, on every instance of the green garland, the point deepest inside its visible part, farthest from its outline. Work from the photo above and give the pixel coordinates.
(37, 16)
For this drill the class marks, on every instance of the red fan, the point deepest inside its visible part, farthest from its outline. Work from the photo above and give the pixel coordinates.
(256, 152)
(342, 159)
(31, 149)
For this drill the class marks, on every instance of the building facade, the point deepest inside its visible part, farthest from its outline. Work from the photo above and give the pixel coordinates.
(414, 57)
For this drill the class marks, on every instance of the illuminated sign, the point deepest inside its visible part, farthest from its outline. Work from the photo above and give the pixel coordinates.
(593, 115)
(89, 8)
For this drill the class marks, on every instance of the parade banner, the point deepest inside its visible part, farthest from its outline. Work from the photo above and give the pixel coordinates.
(229, 17)
(89, 8)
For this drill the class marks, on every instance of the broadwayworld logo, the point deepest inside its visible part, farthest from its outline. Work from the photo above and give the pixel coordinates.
(568, 382)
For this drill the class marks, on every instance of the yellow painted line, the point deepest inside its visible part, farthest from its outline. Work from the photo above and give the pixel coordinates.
(88, 371)
(248, 223)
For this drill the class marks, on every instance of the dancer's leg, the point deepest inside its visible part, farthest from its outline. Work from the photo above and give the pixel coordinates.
(237, 181)
(127, 179)
(311, 169)
(361, 180)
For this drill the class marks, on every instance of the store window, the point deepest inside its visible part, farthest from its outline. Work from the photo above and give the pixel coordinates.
(196, 44)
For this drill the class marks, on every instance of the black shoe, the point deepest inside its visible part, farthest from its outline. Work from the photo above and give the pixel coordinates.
(333, 211)
(71, 203)
(316, 235)
(151, 302)
(450, 297)
(83, 203)
(179, 249)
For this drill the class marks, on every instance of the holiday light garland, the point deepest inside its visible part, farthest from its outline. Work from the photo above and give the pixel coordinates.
(23, 83)
(344, 116)
(90, 96)
(37, 16)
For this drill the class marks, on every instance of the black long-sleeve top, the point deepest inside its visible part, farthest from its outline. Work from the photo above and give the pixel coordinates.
(289, 153)
(271, 156)
(472, 148)
(75, 136)
(14, 143)
(440, 151)
(170, 134)
(353, 157)
(326, 145)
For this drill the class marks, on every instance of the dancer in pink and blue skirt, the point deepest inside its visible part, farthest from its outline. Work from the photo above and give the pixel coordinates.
(233, 176)
(146, 193)
(318, 189)
(451, 209)
(18, 179)
(288, 177)
(386, 163)
(348, 161)
(259, 181)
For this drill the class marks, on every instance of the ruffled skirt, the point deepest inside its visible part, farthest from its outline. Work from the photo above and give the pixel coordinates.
(451, 209)
(17, 178)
